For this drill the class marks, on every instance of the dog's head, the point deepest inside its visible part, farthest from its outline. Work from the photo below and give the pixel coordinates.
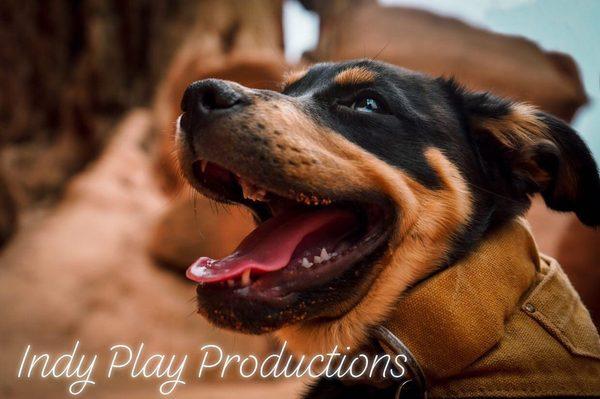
(364, 179)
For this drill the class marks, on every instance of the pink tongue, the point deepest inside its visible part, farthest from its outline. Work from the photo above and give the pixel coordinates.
(270, 246)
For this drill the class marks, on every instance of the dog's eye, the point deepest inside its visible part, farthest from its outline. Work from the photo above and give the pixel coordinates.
(366, 104)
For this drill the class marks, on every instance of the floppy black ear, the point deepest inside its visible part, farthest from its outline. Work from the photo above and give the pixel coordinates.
(538, 152)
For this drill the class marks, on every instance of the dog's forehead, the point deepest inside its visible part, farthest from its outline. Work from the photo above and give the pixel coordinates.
(323, 75)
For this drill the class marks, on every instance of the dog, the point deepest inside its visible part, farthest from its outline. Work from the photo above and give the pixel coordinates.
(388, 206)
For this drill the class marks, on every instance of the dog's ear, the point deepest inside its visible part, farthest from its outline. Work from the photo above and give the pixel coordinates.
(537, 152)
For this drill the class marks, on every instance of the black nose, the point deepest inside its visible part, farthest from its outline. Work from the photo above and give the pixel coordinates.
(207, 96)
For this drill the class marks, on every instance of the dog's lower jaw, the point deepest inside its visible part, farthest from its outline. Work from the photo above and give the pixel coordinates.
(350, 330)
(422, 243)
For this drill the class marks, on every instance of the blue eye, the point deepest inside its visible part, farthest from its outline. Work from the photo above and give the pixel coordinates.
(366, 104)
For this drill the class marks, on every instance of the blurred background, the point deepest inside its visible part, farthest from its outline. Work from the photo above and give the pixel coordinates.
(96, 227)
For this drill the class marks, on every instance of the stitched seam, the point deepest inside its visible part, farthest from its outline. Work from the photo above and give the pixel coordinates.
(548, 324)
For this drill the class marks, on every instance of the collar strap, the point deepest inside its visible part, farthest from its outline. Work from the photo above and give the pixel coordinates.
(451, 319)
(416, 377)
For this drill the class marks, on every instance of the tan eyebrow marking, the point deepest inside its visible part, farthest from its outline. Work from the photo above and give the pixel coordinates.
(356, 75)
(291, 77)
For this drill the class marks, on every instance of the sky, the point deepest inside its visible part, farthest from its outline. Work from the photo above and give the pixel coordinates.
(572, 27)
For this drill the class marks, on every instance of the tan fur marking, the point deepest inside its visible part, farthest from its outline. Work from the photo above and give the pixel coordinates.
(354, 76)
(521, 126)
(429, 219)
(520, 131)
(291, 77)
(326, 162)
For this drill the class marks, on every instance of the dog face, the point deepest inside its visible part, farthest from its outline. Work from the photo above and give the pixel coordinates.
(364, 179)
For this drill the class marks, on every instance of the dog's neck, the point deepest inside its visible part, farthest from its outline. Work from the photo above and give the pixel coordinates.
(457, 315)
(453, 317)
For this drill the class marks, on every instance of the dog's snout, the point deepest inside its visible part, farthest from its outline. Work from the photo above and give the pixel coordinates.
(205, 97)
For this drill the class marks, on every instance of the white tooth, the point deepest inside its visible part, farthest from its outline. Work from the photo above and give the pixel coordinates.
(306, 263)
(317, 259)
(245, 188)
(252, 192)
(260, 194)
(230, 283)
(203, 164)
(246, 278)
(333, 255)
(257, 194)
(324, 255)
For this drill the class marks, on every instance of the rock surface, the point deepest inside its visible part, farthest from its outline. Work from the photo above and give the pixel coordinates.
(82, 272)
(231, 40)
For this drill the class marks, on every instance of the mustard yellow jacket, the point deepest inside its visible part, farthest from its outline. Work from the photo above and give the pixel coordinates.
(504, 322)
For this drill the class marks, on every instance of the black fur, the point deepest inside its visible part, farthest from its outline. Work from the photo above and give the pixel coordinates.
(419, 112)
(426, 112)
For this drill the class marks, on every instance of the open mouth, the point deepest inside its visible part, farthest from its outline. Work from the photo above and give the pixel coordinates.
(302, 240)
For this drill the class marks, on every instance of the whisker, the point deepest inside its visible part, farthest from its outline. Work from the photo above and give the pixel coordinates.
(380, 51)
(485, 190)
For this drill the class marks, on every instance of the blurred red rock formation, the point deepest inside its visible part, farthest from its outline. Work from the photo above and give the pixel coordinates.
(82, 272)
(70, 70)
(232, 40)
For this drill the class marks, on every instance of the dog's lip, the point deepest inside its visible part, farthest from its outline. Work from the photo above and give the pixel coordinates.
(285, 239)
(299, 193)
(281, 286)
(273, 286)
(203, 165)
(276, 289)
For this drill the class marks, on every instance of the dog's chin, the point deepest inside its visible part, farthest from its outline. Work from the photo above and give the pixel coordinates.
(309, 257)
